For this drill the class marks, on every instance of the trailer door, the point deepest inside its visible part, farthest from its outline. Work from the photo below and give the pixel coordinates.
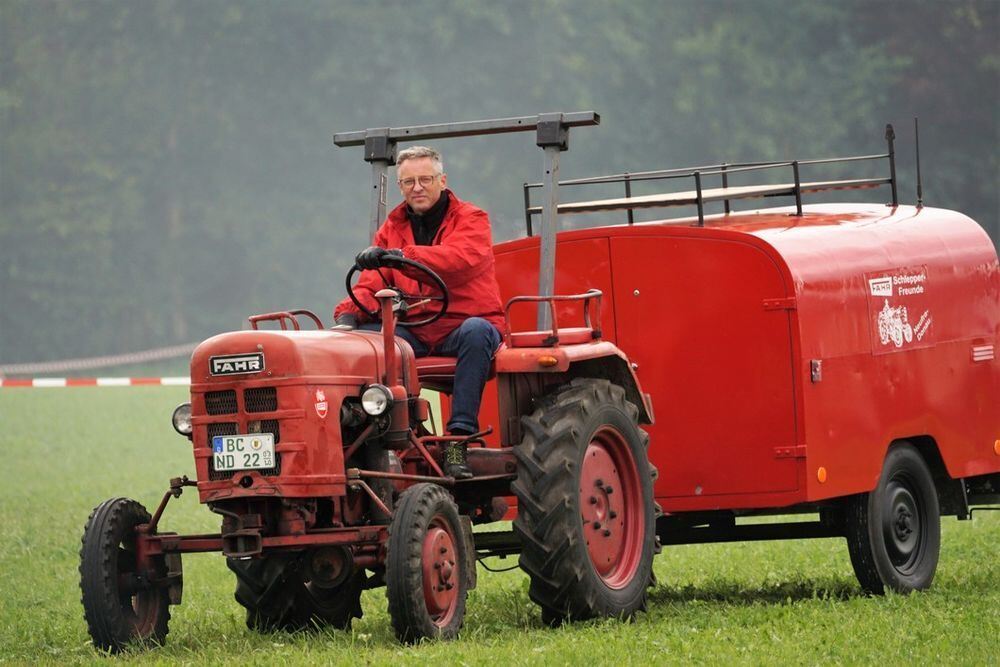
(690, 311)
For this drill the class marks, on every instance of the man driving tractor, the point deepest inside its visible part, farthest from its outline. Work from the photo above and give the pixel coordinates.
(453, 238)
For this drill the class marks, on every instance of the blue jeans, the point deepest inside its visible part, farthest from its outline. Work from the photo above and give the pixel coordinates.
(473, 342)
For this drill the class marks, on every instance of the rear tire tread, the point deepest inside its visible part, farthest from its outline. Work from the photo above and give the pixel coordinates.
(562, 580)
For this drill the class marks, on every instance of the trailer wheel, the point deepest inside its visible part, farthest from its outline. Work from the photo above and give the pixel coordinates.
(894, 532)
(426, 581)
(585, 504)
(276, 597)
(120, 602)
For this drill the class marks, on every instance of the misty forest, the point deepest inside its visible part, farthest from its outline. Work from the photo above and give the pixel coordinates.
(167, 167)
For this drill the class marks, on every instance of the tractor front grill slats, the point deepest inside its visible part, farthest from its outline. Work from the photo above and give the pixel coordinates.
(221, 403)
(261, 399)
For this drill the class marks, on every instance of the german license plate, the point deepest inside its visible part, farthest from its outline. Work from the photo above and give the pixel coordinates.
(243, 452)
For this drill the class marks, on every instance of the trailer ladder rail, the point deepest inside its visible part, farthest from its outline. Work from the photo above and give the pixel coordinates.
(700, 195)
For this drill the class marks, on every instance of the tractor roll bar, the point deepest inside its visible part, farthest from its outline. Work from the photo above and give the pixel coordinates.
(552, 135)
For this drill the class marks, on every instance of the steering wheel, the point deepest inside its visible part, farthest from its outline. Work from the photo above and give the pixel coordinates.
(425, 276)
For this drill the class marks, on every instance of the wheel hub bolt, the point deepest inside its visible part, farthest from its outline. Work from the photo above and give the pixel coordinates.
(613, 514)
(607, 533)
(593, 500)
(608, 490)
(599, 483)
(597, 525)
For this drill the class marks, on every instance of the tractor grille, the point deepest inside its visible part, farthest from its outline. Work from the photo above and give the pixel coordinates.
(261, 399)
(230, 428)
(221, 403)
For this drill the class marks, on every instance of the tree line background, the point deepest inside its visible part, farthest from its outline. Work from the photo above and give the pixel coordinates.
(167, 167)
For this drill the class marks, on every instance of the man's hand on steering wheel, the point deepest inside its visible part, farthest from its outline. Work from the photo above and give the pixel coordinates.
(374, 256)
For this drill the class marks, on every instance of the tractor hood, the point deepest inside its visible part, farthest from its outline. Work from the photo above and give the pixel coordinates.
(290, 357)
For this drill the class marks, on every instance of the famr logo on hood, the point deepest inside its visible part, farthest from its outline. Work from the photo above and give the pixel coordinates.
(236, 364)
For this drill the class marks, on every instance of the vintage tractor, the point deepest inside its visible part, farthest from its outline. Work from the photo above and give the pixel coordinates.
(835, 360)
(318, 452)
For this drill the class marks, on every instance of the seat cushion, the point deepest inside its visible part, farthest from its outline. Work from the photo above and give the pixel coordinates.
(436, 366)
(437, 373)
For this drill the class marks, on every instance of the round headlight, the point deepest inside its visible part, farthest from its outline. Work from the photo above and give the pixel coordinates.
(182, 419)
(376, 399)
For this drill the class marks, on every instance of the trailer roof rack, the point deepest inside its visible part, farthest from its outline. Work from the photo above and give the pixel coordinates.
(726, 193)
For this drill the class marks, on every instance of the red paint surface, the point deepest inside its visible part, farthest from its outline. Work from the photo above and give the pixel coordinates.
(298, 364)
(728, 317)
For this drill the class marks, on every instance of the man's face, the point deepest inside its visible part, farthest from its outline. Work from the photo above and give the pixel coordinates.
(420, 196)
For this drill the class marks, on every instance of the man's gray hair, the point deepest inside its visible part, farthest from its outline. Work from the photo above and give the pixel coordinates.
(414, 152)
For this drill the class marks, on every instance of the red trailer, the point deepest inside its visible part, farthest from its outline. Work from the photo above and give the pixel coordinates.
(785, 354)
(832, 359)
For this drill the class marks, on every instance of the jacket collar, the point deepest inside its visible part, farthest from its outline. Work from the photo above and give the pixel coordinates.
(397, 216)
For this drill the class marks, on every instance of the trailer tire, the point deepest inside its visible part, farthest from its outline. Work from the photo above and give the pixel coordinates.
(115, 616)
(426, 578)
(276, 597)
(894, 532)
(585, 504)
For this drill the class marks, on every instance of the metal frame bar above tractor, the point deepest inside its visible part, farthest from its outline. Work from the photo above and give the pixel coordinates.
(552, 135)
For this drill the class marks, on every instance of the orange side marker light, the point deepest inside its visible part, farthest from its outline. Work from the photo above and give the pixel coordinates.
(548, 360)
(821, 474)
(996, 447)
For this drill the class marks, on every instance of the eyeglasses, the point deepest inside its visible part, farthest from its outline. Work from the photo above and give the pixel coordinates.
(408, 183)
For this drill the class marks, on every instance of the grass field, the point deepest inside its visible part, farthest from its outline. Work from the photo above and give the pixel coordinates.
(66, 450)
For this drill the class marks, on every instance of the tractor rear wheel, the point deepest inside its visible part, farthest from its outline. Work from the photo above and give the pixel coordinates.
(426, 567)
(894, 532)
(121, 603)
(586, 514)
(277, 597)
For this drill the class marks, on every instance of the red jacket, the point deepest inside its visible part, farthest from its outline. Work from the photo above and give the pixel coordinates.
(461, 253)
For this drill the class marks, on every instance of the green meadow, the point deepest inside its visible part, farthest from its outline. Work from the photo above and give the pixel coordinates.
(65, 450)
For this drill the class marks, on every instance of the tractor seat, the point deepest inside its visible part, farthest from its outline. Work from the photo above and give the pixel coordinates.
(438, 373)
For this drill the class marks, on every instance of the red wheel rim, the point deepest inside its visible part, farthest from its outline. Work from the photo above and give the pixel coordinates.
(441, 572)
(611, 507)
(137, 605)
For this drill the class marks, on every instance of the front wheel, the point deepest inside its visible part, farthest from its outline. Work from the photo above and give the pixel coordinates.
(278, 595)
(123, 600)
(426, 569)
(894, 532)
(586, 515)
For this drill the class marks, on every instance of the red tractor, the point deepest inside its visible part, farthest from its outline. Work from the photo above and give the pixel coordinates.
(758, 335)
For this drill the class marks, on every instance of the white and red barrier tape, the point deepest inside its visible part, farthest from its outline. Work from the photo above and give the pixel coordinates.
(94, 382)
(145, 356)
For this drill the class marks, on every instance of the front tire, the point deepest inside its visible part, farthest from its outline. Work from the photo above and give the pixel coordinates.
(426, 569)
(586, 515)
(121, 602)
(894, 532)
(276, 596)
